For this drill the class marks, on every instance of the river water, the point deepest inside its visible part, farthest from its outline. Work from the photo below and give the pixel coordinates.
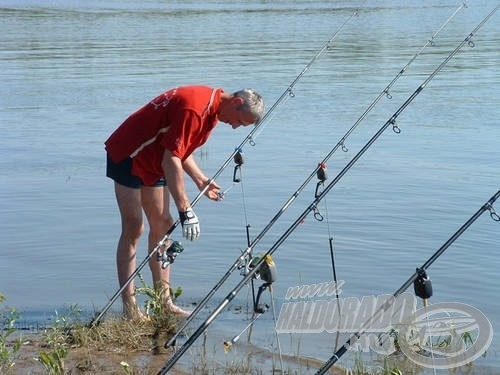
(71, 72)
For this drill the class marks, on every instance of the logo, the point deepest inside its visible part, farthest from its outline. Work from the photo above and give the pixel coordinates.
(441, 336)
(346, 315)
(445, 335)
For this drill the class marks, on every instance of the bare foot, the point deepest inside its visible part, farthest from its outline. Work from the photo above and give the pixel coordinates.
(171, 307)
(132, 312)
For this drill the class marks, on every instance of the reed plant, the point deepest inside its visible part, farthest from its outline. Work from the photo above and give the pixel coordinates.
(8, 347)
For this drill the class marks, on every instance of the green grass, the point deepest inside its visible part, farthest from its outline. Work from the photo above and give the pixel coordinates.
(120, 346)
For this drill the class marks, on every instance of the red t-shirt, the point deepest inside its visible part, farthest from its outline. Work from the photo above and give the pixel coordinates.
(179, 120)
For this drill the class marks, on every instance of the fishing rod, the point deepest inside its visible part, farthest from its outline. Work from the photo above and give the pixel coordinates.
(318, 171)
(392, 121)
(163, 243)
(488, 206)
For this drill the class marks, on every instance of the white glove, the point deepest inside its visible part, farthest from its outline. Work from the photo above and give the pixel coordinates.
(190, 224)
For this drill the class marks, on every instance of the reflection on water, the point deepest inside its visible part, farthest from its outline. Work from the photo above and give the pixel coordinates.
(71, 72)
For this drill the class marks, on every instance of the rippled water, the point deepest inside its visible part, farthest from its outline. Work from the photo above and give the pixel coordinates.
(72, 71)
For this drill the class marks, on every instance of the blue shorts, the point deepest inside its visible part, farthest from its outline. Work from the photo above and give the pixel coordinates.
(121, 173)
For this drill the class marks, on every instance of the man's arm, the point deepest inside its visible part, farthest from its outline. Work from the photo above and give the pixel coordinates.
(191, 168)
(174, 174)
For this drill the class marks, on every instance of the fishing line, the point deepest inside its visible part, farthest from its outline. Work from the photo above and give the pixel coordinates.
(250, 138)
(488, 206)
(392, 121)
(237, 168)
(238, 180)
(427, 321)
(257, 310)
(423, 289)
(317, 172)
(239, 162)
(322, 177)
(273, 307)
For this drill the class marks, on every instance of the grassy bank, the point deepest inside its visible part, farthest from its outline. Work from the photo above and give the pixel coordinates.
(119, 346)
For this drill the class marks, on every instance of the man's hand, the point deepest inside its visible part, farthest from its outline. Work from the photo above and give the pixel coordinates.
(190, 224)
(213, 191)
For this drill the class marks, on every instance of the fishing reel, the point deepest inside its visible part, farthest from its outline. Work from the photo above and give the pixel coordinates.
(266, 272)
(167, 256)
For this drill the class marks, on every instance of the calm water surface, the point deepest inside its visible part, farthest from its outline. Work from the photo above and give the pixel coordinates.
(72, 71)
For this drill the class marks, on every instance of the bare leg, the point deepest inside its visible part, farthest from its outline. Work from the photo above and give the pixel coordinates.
(155, 201)
(129, 204)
